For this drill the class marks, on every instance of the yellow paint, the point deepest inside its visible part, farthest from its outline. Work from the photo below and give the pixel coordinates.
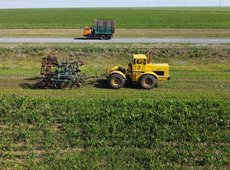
(116, 82)
(112, 71)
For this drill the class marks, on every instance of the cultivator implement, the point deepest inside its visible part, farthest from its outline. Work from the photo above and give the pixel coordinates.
(66, 74)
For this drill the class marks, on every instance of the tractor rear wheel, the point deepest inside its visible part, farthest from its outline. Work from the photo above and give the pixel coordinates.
(116, 81)
(148, 81)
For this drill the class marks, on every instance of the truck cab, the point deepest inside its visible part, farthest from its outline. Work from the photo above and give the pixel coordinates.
(87, 32)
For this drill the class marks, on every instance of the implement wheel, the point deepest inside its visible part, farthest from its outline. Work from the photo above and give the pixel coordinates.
(116, 81)
(148, 81)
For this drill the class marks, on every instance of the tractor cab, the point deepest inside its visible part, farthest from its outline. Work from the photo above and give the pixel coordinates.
(138, 63)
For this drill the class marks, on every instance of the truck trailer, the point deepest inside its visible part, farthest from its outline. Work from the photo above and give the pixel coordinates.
(102, 29)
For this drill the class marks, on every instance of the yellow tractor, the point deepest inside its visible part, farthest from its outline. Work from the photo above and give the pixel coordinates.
(140, 71)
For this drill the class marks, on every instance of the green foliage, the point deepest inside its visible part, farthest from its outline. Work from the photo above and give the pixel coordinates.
(126, 18)
(110, 134)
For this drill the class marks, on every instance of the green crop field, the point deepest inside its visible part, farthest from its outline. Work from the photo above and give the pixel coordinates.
(113, 134)
(182, 124)
(126, 18)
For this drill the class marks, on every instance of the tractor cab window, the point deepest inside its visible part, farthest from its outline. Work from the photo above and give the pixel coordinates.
(139, 61)
(134, 61)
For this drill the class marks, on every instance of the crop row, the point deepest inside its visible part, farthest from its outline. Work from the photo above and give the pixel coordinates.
(137, 132)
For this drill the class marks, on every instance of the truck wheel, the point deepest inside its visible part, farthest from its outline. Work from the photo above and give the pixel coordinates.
(102, 37)
(108, 37)
(148, 81)
(89, 36)
(116, 81)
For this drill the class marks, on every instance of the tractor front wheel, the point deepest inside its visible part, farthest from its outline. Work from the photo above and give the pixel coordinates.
(148, 81)
(116, 81)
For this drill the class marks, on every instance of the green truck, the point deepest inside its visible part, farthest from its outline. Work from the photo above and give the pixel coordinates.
(102, 29)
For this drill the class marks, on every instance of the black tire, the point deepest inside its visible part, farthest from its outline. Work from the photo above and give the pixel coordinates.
(148, 81)
(108, 37)
(116, 81)
(102, 37)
